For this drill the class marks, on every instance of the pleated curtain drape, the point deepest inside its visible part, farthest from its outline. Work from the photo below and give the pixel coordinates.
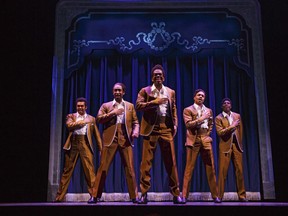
(210, 69)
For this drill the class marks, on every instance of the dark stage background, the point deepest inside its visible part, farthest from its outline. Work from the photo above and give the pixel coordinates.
(27, 35)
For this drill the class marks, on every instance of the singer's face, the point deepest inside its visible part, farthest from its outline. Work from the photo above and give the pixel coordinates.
(199, 98)
(81, 107)
(226, 106)
(118, 92)
(158, 77)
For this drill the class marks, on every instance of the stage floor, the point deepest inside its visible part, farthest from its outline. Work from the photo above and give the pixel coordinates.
(150, 209)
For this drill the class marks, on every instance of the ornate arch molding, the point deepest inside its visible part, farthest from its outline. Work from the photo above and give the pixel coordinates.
(156, 38)
(65, 59)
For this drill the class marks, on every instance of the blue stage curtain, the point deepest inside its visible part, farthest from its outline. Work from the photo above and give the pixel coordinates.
(210, 69)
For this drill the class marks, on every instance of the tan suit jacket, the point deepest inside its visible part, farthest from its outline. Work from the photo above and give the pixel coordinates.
(92, 129)
(109, 130)
(149, 117)
(190, 117)
(225, 131)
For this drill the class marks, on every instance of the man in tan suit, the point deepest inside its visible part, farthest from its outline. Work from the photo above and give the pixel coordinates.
(121, 127)
(81, 128)
(159, 124)
(198, 120)
(230, 131)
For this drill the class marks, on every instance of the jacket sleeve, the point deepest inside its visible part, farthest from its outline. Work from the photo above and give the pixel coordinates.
(144, 102)
(221, 130)
(135, 123)
(97, 137)
(174, 108)
(189, 120)
(71, 123)
(210, 123)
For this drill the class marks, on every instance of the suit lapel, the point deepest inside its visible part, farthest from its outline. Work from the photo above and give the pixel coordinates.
(148, 90)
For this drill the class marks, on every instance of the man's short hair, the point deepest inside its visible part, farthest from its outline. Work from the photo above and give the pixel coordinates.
(157, 66)
(81, 99)
(226, 99)
(122, 85)
(198, 90)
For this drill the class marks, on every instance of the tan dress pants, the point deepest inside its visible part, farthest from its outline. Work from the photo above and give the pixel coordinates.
(79, 147)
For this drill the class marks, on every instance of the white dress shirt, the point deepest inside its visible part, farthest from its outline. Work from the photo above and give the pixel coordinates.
(163, 93)
(201, 110)
(120, 118)
(81, 131)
